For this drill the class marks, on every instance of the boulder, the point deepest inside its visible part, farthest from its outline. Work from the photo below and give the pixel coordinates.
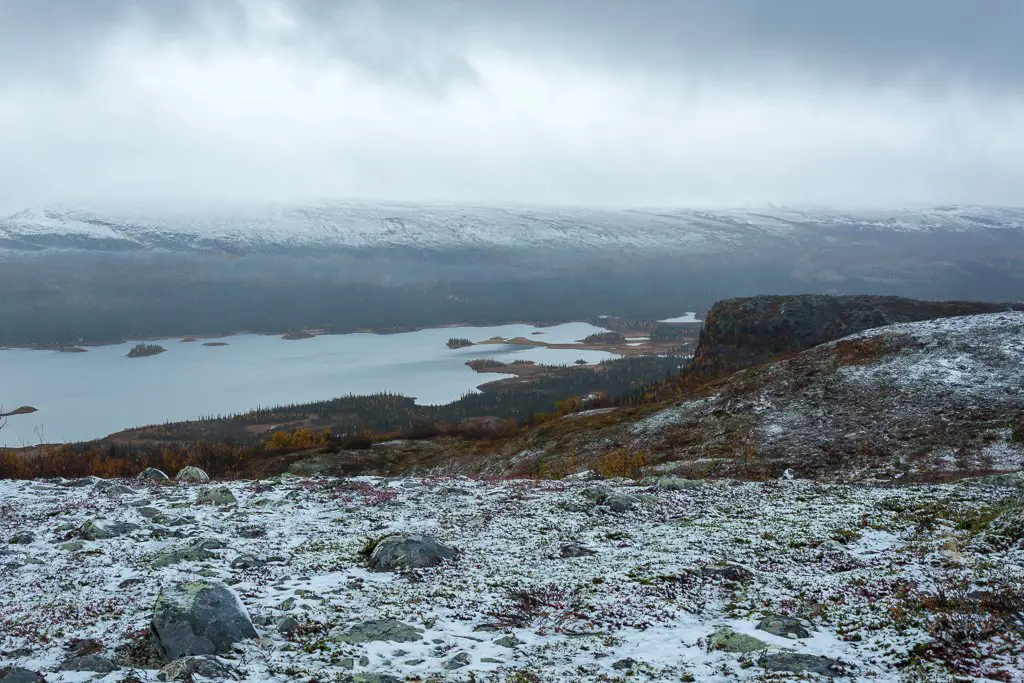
(786, 627)
(22, 538)
(794, 662)
(15, 674)
(220, 495)
(199, 618)
(197, 551)
(409, 551)
(192, 475)
(620, 502)
(729, 640)
(81, 483)
(390, 630)
(185, 668)
(458, 661)
(153, 474)
(95, 663)
(97, 531)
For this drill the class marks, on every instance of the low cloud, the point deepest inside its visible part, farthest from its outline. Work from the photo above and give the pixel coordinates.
(259, 100)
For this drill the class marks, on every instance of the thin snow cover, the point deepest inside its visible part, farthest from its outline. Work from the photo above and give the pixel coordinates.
(640, 595)
(687, 318)
(360, 224)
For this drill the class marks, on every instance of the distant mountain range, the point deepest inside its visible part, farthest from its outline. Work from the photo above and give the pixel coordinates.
(84, 273)
(361, 226)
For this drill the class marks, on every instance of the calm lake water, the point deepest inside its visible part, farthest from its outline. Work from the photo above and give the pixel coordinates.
(83, 396)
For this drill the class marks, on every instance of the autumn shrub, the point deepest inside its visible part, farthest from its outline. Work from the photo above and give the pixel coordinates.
(623, 463)
(300, 439)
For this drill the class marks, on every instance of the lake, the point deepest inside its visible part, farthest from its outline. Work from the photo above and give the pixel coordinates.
(82, 396)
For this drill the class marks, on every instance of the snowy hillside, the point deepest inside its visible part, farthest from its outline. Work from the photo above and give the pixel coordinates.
(349, 225)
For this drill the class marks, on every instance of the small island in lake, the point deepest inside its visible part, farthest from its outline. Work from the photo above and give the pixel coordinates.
(215, 343)
(24, 410)
(144, 350)
(458, 343)
(301, 334)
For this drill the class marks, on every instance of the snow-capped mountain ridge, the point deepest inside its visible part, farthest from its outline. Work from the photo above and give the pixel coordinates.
(354, 226)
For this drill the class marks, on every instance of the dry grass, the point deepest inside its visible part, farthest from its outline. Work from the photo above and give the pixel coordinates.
(623, 463)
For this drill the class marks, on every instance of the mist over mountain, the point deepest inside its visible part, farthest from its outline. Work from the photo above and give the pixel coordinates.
(105, 274)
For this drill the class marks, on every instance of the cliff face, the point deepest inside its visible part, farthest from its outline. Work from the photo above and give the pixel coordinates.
(742, 333)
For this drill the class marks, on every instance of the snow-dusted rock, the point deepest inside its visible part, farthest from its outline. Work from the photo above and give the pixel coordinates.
(199, 618)
(409, 551)
(192, 475)
(220, 495)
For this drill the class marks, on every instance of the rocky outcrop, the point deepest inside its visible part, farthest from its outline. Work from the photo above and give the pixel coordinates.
(741, 333)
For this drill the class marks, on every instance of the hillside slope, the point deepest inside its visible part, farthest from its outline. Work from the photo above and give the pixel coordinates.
(932, 399)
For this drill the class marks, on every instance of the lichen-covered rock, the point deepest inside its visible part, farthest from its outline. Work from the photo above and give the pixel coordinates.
(794, 662)
(390, 630)
(199, 618)
(573, 549)
(97, 531)
(786, 627)
(728, 640)
(196, 551)
(620, 502)
(153, 474)
(192, 475)
(409, 551)
(185, 668)
(220, 495)
(458, 661)
(22, 538)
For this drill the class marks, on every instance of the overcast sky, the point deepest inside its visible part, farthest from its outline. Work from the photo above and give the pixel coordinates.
(639, 102)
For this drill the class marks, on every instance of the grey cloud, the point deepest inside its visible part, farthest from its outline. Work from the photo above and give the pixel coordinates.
(576, 101)
(929, 42)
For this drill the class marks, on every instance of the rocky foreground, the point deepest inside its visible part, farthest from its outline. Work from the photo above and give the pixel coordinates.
(373, 579)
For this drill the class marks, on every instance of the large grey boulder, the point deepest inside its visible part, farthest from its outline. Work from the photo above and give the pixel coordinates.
(153, 474)
(390, 630)
(199, 618)
(409, 551)
(795, 662)
(96, 530)
(15, 674)
(192, 475)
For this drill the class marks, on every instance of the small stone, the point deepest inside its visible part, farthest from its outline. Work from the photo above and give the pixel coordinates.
(413, 662)
(248, 562)
(390, 630)
(729, 640)
(286, 626)
(458, 661)
(185, 668)
(574, 550)
(81, 647)
(95, 663)
(508, 641)
(72, 546)
(153, 474)
(22, 538)
(732, 572)
(287, 604)
(489, 660)
(786, 627)
(220, 495)
(798, 663)
(624, 664)
(81, 483)
(192, 475)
